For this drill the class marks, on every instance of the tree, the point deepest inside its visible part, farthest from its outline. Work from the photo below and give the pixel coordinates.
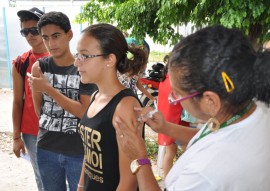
(160, 18)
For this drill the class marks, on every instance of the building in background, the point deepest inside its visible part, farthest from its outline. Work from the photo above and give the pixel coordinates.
(12, 44)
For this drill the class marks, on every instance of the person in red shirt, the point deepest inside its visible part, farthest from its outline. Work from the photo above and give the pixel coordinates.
(171, 113)
(25, 121)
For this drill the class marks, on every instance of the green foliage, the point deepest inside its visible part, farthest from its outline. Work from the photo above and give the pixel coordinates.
(155, 56)
(152, 148)
(160, 18)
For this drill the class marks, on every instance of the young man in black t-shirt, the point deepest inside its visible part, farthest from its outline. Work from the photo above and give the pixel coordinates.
(60, 100)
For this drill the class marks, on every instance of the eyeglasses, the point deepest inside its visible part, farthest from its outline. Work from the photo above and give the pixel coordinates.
(34, 31)
(82, 57)
(174, 99)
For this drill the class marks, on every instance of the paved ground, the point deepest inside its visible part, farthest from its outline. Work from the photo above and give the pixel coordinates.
(17, 174)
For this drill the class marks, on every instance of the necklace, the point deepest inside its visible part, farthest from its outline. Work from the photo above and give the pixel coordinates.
(226, 123)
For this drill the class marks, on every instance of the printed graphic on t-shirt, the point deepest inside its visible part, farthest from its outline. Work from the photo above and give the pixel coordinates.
(53, 117)
(93, 153)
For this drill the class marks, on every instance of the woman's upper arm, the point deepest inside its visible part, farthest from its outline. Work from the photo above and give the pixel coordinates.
(126, 112)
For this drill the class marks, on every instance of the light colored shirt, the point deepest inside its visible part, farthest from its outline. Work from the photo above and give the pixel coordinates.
(235, 158)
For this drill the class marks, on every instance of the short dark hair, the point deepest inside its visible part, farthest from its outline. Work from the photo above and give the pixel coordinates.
(55, 18)
(200, 59)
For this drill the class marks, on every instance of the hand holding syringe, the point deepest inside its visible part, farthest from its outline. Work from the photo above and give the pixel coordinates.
(151, 113)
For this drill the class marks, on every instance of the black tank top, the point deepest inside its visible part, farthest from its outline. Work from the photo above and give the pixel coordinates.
(100, 146)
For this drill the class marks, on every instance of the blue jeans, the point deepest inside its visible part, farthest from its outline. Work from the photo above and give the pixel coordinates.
(30, 142)
(56, 168)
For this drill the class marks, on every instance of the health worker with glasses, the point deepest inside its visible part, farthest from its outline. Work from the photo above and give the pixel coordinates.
(230, 152)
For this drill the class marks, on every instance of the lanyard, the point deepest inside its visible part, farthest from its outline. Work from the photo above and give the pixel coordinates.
(225, 124)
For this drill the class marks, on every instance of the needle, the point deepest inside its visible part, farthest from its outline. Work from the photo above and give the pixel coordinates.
(151, 113)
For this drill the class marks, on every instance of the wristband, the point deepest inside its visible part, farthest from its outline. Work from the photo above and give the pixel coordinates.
(137, 163)
(80, 186)
(16, 138)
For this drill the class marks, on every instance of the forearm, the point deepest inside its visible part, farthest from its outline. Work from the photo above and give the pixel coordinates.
(146, 179)
(144, 91)
(70, 105)
(127, 179)
(17, 110)
(81, 181)
(147, 94)
(37, 100)
(18, 102)
(180, 133)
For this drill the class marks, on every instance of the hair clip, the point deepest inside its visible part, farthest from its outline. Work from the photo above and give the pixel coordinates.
(141, 47)
(227, 82)
(130, 56)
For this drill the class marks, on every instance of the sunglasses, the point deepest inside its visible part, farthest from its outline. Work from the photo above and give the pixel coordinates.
(34, 31)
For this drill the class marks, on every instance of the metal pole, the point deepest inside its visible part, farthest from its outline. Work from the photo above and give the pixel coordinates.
(7, 48)
(80, 23)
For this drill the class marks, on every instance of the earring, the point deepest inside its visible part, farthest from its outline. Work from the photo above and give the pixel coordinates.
(213, 124)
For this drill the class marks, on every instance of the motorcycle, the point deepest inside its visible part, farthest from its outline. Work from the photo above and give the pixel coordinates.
(151, 82)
